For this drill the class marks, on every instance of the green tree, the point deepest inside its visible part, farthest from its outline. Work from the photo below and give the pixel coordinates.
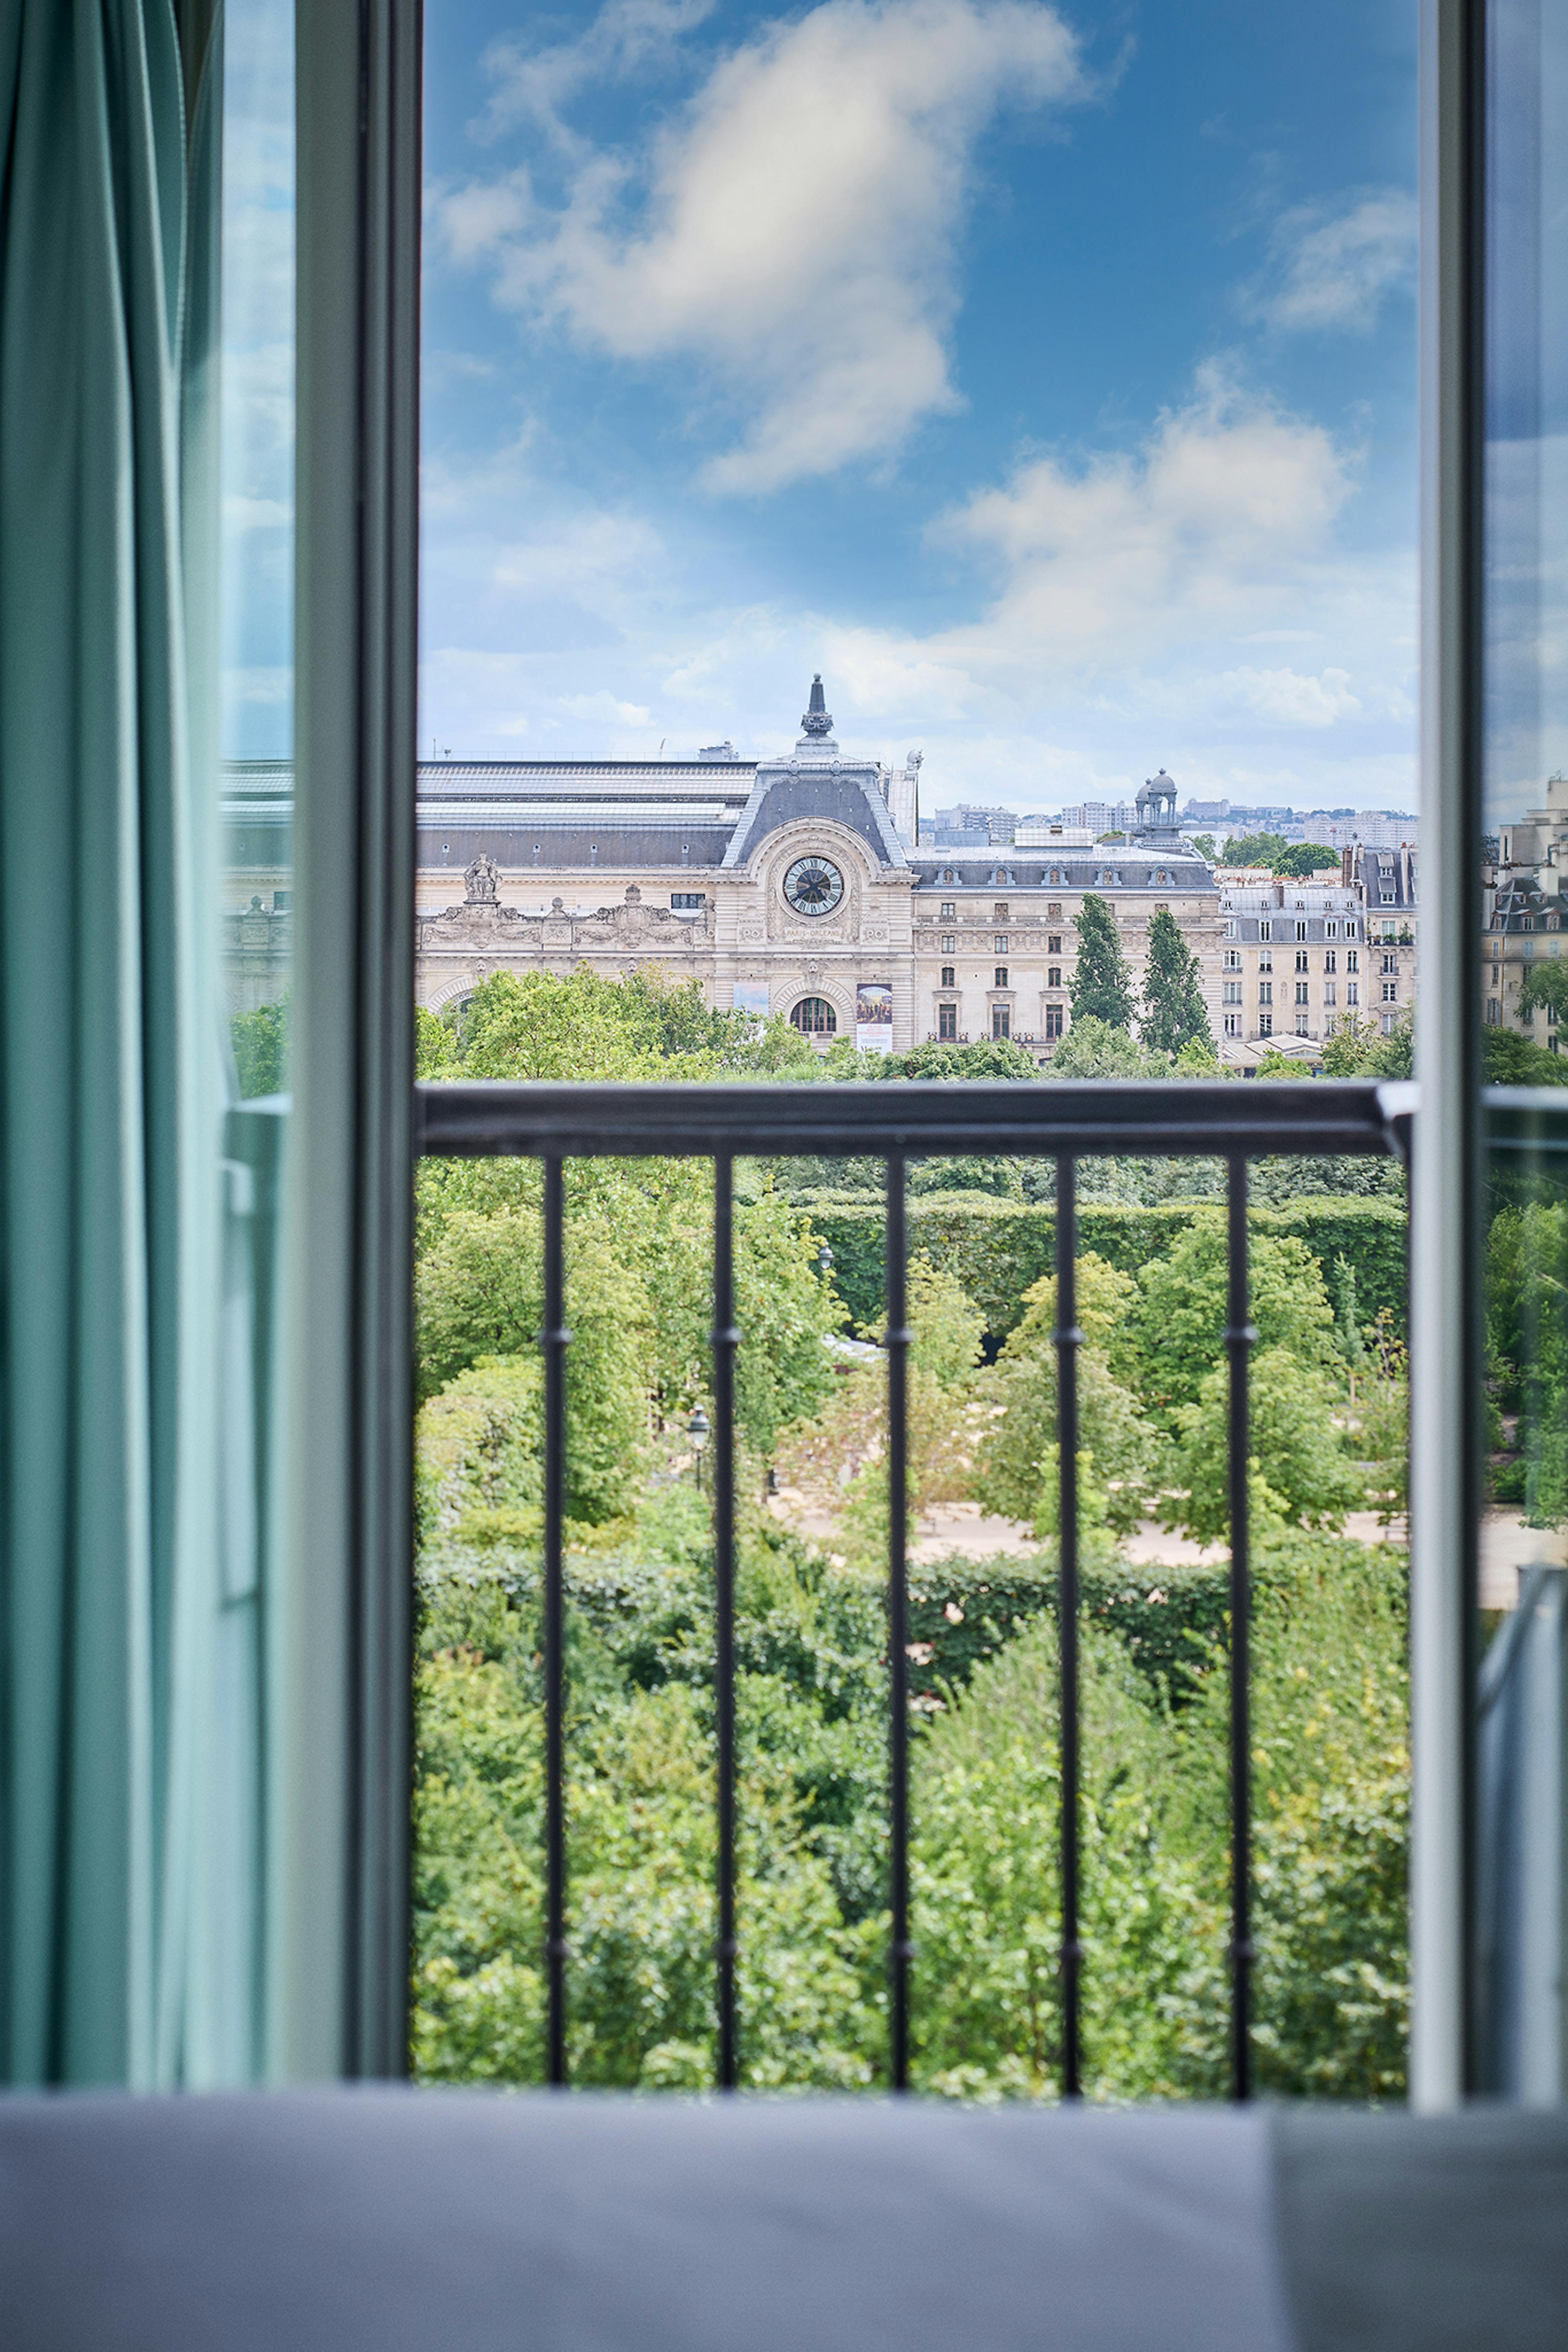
(1175, 1014)
(261, 1049)
(1300, 1472)
(1545, 989)
(1204, 844)
(1101, 986)
(988, 1058)
(1508, 1059)
(1121, 1459)
(1255, 849)
(1352, 1051)
(1177, 1322)
(1301, 858)
(1093, 1049)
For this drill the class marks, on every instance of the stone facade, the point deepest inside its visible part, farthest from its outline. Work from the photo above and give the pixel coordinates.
(949, 943)
(1524, 912)
(795, 886)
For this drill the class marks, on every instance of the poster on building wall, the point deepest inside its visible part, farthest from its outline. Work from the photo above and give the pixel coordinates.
(750, 996)
(873, 1017)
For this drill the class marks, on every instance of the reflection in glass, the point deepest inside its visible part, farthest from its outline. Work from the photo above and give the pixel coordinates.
(1523, 980)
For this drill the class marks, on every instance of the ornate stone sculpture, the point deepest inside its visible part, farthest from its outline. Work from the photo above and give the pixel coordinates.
(480, 881)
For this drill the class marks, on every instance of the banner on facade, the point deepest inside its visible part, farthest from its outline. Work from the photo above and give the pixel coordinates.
(873, 1017)
(750, 996)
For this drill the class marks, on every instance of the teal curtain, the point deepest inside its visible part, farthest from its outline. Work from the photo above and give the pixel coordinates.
(112, 1836)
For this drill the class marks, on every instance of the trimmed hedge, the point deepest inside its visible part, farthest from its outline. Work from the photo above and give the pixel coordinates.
(996, 1249)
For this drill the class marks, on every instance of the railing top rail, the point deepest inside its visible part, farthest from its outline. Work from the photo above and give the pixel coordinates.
(484, 1117)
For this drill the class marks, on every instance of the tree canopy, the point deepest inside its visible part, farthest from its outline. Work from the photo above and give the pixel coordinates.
(1175, 1013)
(1101, 986)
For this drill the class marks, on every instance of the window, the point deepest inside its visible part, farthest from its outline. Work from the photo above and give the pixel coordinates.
(1301, 963)
(1053, 1016)
(1231, 928)
(1391, 991)
(1053, 943)
(1330, 930)
(1053, 976)
(1000, 979)
(1390, 1022)
(1233, 1025)
(1353, 960)
(1232, 958)
(1390, 963)
(1302, 1029)
(1054, 911)
(949, 942)
(814, 1016)
(1265, 1025)
(947, 1020)
(1303, 993)
(1001, 1021)
(1331, 960)
(1232, 989)
(949, 910)
(1001, 946)
(1266, 960)
(1350, 930)
(687, 901)
(949, 975)
(1329, 993)
(1265, 991)
(999, 911)
(1055, 878)
(1266, 930)
(1301, 931)
(1352, 992)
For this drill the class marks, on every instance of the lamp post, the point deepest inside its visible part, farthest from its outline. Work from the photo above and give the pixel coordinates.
(697, 1431)
(824, 1261)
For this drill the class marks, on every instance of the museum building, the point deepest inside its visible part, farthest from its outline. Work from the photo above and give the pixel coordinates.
(791, 884)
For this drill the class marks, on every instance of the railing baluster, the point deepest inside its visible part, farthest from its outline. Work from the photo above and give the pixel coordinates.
(726, 1339)
(1068, 1338)
(1239, 1338)
(555, 1339)
(900, 1949)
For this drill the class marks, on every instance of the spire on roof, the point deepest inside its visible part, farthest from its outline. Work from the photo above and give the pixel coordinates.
(817, 720)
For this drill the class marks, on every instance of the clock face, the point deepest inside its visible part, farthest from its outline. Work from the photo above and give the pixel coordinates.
(813, 885)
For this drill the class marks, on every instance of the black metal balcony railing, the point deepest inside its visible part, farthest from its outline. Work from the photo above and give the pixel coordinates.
(1063, 1122)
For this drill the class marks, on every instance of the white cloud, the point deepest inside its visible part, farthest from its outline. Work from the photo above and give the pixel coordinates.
(1112, 595)
(1218, 521)
(533, 86)
(1333, 270)
(797, 226)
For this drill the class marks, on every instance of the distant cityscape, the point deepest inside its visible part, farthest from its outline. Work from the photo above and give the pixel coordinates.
(970, 826)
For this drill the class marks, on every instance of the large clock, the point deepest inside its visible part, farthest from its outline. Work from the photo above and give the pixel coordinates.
(813, 885)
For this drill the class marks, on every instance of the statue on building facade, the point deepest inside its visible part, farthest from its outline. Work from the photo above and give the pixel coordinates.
(480, 881)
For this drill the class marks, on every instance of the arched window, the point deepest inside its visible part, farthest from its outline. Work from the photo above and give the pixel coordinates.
(815, 1016)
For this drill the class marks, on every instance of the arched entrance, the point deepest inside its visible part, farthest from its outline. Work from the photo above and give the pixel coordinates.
(814, 1016)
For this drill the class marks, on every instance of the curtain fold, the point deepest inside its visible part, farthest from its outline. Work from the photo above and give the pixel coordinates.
(110, 1231)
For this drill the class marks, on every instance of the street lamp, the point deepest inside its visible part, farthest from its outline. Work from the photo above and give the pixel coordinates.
(824, 1261)
(697, 1431)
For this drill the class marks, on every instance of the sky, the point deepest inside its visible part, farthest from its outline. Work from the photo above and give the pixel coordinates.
(1045, 377)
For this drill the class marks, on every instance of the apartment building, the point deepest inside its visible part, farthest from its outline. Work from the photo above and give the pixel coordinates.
(1523, 911)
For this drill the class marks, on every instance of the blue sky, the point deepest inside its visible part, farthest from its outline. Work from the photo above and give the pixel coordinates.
(1044, 377)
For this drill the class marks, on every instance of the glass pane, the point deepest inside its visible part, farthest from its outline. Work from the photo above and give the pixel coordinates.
(918, 544)
(1523, 1702)
(252, 740)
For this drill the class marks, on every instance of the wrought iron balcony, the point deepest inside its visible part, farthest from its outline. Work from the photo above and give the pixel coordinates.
(897, 1122)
